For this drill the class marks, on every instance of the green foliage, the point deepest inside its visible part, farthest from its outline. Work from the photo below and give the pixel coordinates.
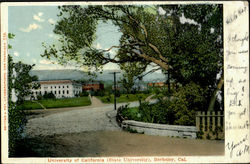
(123, 98)
(200, 134)
(186, 50)
(154, 113)
(131, 113)
(108, 99)
(131, 71)
(131, 130)
(117, 93)
(179, 110)
(39, 97)
(217, 131)
(187, 100)
(49, 95)
(100, 93)
(56, 103)
(189, 50)
(19, 85)
(83, 93)
(160, 112)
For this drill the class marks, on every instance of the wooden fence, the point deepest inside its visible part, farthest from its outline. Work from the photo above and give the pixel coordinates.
(210, 123)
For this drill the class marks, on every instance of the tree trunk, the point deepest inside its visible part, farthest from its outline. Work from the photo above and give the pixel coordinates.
(213, 98)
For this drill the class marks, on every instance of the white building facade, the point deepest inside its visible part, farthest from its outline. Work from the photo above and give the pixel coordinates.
(60, 88)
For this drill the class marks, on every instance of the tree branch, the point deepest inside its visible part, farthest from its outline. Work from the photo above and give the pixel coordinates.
(140, 25)
(158, 52)
(152, 59)
(151, 71)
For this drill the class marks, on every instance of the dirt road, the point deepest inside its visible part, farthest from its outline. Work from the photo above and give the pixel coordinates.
(88, 132)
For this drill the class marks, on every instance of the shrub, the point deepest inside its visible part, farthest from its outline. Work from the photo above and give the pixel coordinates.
(200, 134)
(101, 93)
(108, 99)
(131, 113)
(39, 97)
(178, 111)
(17, 121)
(19, 86)
(131, 130)
(83, 93)
(187, 100)
(49, 96)
(118, 93)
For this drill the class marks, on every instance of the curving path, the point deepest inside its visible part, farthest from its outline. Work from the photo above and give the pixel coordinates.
(73, 120)
(91, 131)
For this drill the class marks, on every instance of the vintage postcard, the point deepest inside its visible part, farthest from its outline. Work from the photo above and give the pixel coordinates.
(125, 82)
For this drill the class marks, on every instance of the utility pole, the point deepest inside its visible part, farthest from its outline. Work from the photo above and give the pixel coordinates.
(168, 81)
(115, 88)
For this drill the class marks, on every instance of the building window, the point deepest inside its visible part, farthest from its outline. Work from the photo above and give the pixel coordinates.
(59, 92)
(51, 87)
(63, 86)
(67, 92)
(67, 86)
(63, 91)
(45, 92)
(59, 86)
(55, 92)
(55, 86)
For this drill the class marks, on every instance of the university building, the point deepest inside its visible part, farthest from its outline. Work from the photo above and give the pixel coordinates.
(60, 88)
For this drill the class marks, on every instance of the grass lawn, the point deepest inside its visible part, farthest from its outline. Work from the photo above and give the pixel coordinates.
(123, 98)
(56, 103)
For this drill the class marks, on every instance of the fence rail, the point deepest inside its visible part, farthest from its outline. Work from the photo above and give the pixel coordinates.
(208, 121)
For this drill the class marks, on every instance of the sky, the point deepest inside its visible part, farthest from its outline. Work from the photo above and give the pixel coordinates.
(33, 25)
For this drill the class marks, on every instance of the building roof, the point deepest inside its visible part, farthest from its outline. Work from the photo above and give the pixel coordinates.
(56, 82)
(157, 84)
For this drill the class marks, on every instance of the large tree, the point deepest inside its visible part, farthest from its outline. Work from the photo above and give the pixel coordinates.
(191, 50)
(131, 74)
(19, 86)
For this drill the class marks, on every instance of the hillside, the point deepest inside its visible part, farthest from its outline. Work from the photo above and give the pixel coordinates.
(80, 75)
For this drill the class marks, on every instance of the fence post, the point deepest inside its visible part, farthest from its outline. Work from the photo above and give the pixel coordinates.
(213, 120)
(203, 121)
(198, 120)
(218, 119)
(208, 120)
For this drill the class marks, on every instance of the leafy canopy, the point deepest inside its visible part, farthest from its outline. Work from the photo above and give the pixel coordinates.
(188, 50)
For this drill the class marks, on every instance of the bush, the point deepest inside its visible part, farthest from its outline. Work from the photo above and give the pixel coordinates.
(39, 97)
(49, 96)
(178, 111)
(157, 113)
(108, 99)
(83, 93)
(100, 93)
(131, 113)
(17, 120)
(200, 134)
(187, 100)
(118, 93)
